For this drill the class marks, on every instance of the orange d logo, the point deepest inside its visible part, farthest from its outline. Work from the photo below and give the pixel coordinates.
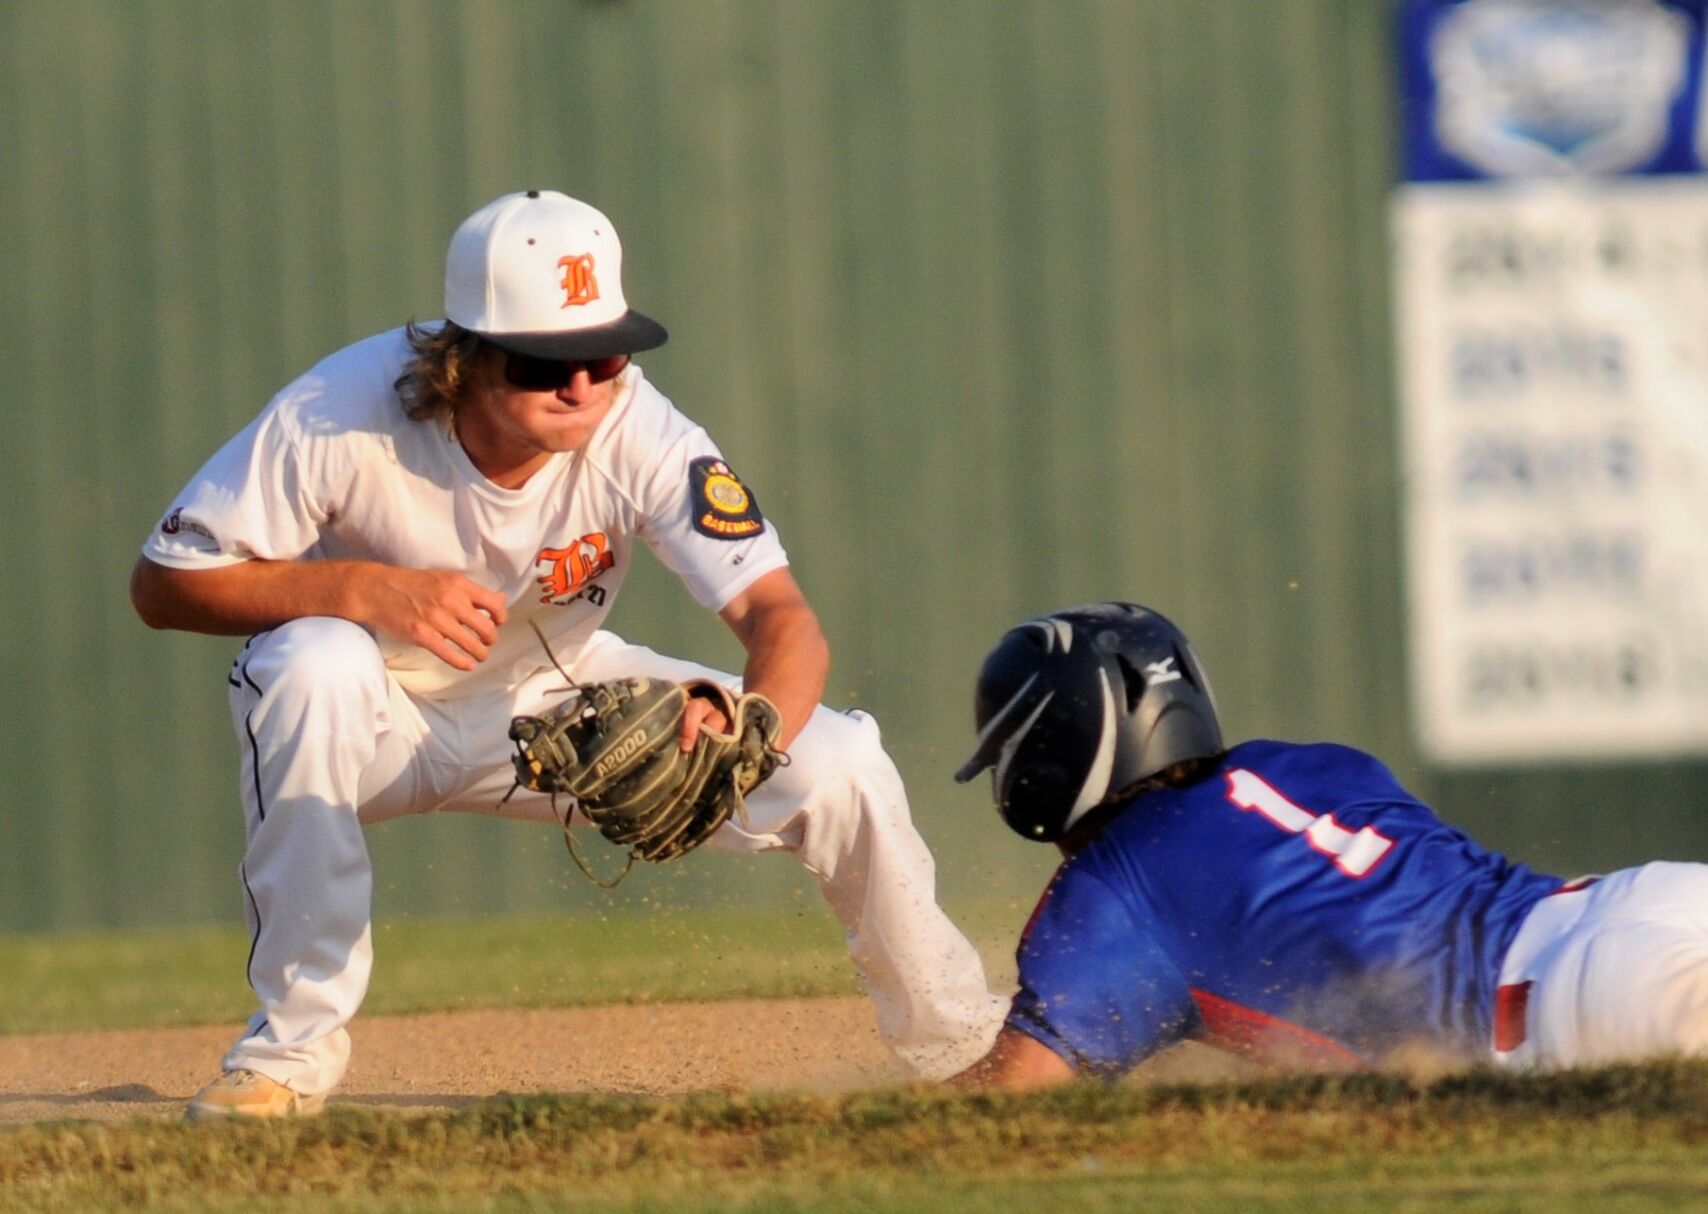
(570, 568)
(579, 285)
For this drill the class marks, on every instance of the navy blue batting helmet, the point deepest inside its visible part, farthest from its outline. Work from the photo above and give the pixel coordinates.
(1076, 707)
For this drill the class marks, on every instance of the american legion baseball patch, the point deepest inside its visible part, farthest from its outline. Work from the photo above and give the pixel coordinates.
(723, 507)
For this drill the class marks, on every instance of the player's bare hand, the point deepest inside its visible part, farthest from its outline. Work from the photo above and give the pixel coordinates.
(701, 712)
(451, 616)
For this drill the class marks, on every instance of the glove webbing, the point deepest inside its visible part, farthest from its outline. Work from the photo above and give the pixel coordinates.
(622, 827)
(701, 762)
(580, 690)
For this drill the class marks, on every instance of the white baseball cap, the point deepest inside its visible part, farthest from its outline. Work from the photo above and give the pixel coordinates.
(540, 273)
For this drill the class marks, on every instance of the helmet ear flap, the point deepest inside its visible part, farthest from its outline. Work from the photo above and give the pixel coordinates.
(1029, 800)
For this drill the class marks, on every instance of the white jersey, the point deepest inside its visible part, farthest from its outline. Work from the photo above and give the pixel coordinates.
(332, 469)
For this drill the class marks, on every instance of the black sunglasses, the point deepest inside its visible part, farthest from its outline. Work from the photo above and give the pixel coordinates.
(554, 374)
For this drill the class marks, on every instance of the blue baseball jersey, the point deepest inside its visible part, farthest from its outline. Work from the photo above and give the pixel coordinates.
(1297, 903)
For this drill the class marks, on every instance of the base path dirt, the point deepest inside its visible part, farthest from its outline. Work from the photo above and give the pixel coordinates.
(446, 1060)
(451, 1059)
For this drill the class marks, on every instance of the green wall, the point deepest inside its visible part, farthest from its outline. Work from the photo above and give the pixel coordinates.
(1000, 305)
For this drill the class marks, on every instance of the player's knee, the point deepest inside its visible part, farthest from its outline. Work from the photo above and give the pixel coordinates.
(845, 777)
(856, 818)
(316, 656)
(842, 746)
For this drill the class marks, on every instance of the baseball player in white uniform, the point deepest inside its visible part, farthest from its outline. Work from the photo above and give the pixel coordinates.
(390, 527)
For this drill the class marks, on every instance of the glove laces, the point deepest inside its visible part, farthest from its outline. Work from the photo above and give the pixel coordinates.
(569, 843)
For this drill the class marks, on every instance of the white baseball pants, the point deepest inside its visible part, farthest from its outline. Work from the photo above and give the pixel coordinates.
(331, 744)
(1617, 970)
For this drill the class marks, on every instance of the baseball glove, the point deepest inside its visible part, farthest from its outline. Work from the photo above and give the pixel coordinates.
(613, 747)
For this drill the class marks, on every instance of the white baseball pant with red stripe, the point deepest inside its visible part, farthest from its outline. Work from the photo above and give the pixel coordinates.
(1609, 969)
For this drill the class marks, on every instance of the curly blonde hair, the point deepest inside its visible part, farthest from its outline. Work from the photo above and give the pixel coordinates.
(436, 381)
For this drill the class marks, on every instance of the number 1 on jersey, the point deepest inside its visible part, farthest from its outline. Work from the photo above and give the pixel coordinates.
(1353, 853)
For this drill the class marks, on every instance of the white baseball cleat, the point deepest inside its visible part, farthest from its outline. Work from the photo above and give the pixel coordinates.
(248, 1094)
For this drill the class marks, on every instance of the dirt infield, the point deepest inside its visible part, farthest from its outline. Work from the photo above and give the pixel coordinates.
(449, 1059)
(438, 1061)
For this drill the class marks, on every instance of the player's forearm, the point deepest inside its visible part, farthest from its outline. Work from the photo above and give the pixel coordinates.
(1017, 1062)
(235, 600)
(788, 660)
(787, 655)
(790, 671)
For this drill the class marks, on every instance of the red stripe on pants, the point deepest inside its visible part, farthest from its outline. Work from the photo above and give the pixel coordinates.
(1512, 1002)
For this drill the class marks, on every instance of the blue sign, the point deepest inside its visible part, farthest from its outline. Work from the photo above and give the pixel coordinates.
(1551, 88)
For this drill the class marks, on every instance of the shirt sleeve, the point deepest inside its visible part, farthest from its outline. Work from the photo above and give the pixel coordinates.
(703, 522)
(1094, 986)
(251, 500)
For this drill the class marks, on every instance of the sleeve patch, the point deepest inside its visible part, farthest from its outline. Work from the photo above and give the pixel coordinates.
(722, 506)
(180, 528)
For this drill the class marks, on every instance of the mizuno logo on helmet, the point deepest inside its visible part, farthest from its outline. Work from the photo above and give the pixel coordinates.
(1161, 672)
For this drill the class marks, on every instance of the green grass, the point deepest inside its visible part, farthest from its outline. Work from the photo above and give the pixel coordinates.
(1624, 1139)
(195, 975)
(1629, 1138)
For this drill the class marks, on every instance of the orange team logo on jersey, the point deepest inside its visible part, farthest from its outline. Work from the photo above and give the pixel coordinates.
(579, 285)
(569, 569)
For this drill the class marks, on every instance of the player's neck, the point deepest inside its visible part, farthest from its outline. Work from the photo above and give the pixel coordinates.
(498, 457)
(509, 473)
(1087, 829)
